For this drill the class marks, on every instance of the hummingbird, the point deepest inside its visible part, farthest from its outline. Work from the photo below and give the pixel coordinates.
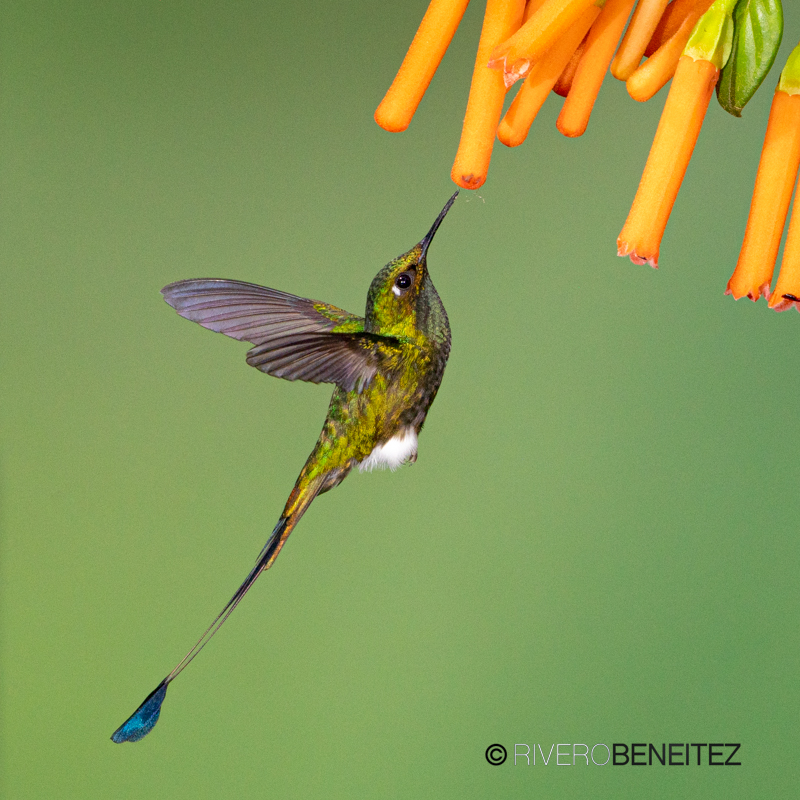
(386, 368)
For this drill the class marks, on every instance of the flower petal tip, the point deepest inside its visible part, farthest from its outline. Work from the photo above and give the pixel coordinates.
(468, 181)
(784, 302)
(511, 72)
(624, 249)
(752, 294)
(517, 71)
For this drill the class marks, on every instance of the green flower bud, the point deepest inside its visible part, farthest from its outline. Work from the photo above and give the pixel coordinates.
(790, 77)
(712, 37)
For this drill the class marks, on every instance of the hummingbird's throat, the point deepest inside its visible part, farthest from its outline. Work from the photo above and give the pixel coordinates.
(401, 448)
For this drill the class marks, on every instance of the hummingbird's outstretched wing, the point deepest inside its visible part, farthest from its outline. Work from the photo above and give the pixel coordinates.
(294, 338)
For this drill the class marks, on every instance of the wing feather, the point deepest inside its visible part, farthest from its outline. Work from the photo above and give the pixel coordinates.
(294, 338)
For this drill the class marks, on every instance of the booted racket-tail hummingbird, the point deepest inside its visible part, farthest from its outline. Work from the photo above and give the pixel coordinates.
(386, 368)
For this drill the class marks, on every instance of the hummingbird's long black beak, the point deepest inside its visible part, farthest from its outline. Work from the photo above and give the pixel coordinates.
(435, 227)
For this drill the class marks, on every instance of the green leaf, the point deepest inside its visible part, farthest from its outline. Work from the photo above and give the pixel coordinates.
(757, 31)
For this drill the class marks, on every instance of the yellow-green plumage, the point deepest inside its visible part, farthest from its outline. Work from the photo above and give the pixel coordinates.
(411, 364)
(386, 368)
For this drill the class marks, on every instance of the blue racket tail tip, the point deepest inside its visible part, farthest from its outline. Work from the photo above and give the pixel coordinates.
(144, 719)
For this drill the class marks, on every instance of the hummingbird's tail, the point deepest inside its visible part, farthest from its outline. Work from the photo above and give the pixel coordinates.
(265, 560)
(142, 721)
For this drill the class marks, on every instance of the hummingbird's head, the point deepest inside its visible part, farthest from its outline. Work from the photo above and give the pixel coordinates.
(402, 300)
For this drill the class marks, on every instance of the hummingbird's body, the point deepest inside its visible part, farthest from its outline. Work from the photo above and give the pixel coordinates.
(378, 426)
(386, 368)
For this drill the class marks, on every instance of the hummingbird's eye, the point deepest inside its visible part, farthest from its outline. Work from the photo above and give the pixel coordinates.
(402, 283)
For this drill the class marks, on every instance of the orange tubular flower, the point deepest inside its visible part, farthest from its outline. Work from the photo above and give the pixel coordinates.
(643, 24)
(678, 129)
(591, 69)
(787, 288)
(660, 67)
(486, 96)
(669, 157)
(422, 60)
(780, 159)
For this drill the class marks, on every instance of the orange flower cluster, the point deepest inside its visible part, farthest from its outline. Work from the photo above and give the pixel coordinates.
(568, 46)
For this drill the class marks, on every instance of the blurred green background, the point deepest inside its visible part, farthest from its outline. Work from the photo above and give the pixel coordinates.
(598, 542)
